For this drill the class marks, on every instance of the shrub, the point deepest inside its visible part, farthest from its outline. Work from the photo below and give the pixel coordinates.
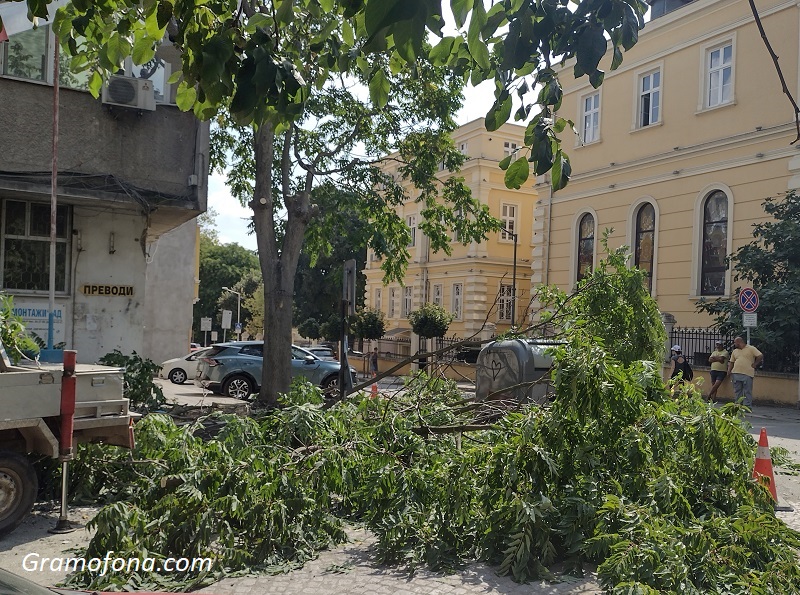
(430, 321)
(144, 394)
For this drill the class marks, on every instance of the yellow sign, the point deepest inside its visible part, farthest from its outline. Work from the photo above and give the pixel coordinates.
(124, 290)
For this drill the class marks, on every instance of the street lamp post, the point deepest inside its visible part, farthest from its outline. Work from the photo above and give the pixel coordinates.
(238, 312)
(513, 278)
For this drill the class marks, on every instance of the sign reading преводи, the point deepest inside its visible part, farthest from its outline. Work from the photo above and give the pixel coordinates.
(33, 562)
(92, 289)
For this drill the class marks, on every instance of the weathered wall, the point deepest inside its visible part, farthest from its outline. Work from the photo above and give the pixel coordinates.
(153, 150)
(169, 293)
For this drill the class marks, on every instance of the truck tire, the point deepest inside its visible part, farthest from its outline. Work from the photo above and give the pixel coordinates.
(18, 488)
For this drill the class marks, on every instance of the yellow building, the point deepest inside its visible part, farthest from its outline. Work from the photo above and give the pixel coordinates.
(475, 281)
(676, 151)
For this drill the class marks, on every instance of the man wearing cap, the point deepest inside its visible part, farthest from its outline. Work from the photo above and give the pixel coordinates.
(742, 367)
(719, 368)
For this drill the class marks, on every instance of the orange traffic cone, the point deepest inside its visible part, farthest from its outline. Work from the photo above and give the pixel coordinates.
(763, 467)
(374, 390)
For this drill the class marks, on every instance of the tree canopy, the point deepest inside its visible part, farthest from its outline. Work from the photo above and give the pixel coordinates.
(312, 89)
(221, 265)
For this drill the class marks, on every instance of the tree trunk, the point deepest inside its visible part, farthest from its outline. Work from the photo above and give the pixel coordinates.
(278, 262)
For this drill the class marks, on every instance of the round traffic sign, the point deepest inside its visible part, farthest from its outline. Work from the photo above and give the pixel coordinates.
(748, 299)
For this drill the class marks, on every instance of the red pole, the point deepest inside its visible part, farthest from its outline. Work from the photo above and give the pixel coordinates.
(68, 382)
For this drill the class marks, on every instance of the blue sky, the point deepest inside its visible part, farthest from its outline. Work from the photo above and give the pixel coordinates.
(232, 218)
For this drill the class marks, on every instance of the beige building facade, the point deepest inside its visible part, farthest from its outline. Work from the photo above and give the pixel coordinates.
(676, 152)
(476, 281)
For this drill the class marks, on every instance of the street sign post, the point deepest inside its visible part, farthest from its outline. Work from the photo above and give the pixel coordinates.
(226, 323)
(214, 336)
(748, 299)
(749, 320)
(205, 326)
(748, 302)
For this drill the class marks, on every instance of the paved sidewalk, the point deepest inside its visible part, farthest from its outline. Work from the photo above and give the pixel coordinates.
(351, 570)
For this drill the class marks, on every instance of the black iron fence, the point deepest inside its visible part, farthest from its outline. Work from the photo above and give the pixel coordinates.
(698, 343)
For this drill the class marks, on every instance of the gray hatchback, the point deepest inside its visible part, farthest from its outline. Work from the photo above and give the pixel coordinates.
(233, 369)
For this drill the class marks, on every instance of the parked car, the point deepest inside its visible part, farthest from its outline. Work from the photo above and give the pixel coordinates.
(324, 353)
(234, 369)
(195, 346)
(180, 369)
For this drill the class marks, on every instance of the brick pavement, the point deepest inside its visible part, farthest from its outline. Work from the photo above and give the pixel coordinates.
(351, 570)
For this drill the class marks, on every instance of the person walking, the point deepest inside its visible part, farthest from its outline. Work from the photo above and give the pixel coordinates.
(719, 368)
(373, 362)
(742, 368)
(680, 365)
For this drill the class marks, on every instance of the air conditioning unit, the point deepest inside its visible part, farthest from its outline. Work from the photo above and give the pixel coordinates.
(130, 92)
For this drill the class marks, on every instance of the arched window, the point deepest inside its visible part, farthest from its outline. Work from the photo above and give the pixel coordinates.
(585, 246)
(715, 242)
(645, 241)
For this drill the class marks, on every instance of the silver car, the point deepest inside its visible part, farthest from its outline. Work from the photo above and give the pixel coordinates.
(234, 369)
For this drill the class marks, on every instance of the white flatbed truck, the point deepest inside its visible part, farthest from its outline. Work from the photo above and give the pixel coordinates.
(38, 416)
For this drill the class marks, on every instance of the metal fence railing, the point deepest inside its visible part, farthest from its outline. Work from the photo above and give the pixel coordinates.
(698, 343)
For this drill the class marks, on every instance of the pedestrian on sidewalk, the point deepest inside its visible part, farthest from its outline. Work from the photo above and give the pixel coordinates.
(373, 362)
(719, 368)
(742, 368)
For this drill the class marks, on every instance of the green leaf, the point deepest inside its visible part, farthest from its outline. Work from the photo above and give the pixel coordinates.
(380, 13)
(95, 84)
(440, 53)
(499, 112)
(379, 88)
(591, 48)
(561, 171)
(477, 47)
(117, 49)
(347, 33)
(596, 78)
(143, 51)
(185, 97)
(517, 173)
(285, 13)
(505, 162)
(460, 10)
(630, 27)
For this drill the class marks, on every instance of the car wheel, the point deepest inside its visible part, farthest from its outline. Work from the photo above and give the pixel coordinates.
(330, 387)
(177, 376)
(238, 387)
(18, 488)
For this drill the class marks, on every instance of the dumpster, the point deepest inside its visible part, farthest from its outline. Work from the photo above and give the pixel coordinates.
(507, 371)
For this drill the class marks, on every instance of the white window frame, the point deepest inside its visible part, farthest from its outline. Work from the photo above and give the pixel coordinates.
(705, 73)
(642, 95)
(594, 114)
(504, 300)
(411, 223)
(438, 293)
(463, 147)
(28, 237)
(392, 302)
(408, 301)
(457, 300)
(509, 213)
(509, 148)
(378, 298)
